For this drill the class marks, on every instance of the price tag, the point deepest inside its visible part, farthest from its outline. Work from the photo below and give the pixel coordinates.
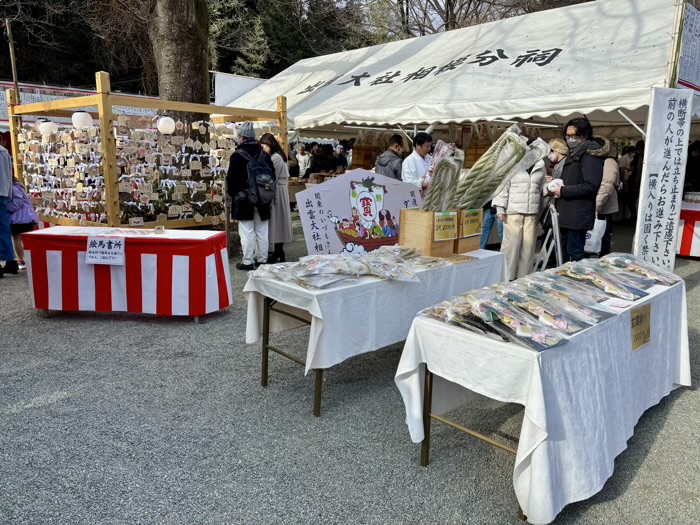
(445, 226)
(198, 217)
(136, 221)
(641, 326)
(471, 223)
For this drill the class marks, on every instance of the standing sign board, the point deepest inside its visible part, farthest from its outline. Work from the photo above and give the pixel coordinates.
(663, 173)
(689, 63)
(354, 213)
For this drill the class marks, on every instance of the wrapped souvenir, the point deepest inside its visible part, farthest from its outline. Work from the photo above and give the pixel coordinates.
(604, 281)
(280, 271)
(546, 311)
(423, 261)
(322, 280)
(576, 306)
(566, 284)
(460, 313)
(388, 267)
(437, 311)
(520, 327)
(635, 264)
(329, 264)
(628, 277)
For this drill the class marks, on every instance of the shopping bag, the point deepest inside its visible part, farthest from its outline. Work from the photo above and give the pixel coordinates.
(594, 237)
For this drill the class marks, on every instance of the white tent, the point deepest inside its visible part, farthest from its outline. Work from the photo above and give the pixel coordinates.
(592, 58)
(228, 87)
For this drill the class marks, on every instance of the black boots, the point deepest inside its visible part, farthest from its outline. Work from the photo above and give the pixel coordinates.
(11, 267)
(277, 255)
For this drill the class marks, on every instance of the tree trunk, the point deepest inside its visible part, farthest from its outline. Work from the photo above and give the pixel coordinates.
(179, 34)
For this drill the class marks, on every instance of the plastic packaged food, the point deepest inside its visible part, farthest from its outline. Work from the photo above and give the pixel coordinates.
(546, 311)
(423, 261)
(388, 267)
(604, 281)
(520, 327)
(635, 264)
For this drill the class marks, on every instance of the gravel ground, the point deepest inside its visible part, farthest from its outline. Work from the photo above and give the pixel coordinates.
(123, 419)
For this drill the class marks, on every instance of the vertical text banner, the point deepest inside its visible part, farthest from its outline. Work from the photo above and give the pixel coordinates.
(663, 173)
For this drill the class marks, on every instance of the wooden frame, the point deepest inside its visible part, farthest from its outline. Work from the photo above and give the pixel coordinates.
(105, 100)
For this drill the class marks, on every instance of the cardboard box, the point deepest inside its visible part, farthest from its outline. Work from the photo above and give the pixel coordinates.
(469, 230)
(417, 230)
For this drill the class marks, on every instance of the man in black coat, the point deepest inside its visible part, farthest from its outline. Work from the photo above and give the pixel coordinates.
(582, 176)
(252, 218)
(389, 163)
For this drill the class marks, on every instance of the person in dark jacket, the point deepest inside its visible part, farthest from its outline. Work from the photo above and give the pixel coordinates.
(252, 218)
(576, 198)
(389, 162)
(324, 160)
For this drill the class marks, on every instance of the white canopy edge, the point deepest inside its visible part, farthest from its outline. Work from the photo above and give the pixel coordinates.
(592, 58)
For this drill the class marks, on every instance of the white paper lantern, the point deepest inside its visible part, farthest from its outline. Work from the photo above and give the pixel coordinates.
(48, 127)
(166, 125)
(81, 119)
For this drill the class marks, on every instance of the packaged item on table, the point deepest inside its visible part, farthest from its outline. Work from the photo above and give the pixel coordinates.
(280, 271)
(635, 264)
(606, 282)
(628, 277)
(388, 267)
(577, 306)
(423, 261)
(436, 311)
(520, 327)
(460, 313)
(329, 264)
(322, 280)
(565, 284)
(541, 308)
(401, 251)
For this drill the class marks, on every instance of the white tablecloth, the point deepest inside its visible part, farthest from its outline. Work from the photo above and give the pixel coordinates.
(582, 400)
(366, 314)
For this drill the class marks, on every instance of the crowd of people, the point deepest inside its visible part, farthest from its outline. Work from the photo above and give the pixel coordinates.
(584, 175)
(591, 182)
(319, 158)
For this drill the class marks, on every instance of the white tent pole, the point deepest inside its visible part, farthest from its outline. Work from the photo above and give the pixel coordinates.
(632, 122)
(410, 140)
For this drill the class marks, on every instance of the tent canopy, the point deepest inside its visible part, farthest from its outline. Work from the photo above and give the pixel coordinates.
(592, 59)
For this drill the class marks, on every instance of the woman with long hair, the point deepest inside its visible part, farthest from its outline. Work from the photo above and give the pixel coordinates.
(23, 218)
(281, 216)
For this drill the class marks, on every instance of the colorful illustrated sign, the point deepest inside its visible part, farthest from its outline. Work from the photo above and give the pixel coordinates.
(354, 213)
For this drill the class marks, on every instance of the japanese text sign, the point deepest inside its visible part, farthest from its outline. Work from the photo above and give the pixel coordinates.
(354, 213)
(471, 223)
(105, 250)
(689, 63)
(641, 326)
(663, 173)
(445, 226)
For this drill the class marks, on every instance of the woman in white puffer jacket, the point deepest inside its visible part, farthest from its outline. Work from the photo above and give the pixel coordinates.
(518, 206)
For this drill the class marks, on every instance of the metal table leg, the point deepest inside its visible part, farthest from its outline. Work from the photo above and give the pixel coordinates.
(265, 340)
(427, 408)
(317, 392)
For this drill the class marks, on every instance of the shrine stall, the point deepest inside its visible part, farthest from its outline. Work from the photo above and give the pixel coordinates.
(172, 273)
(113, 169)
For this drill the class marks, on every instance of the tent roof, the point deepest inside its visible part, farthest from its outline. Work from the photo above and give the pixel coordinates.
(589, 58)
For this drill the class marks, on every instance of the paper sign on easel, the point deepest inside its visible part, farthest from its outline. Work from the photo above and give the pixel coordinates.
(105, 250)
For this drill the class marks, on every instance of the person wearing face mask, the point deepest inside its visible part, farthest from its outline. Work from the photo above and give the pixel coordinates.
(417, 166)
(389, 162)
(582, 175)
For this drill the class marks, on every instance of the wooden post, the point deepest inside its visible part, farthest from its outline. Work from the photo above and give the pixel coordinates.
(15, 127)
(109, 150)
(282, 118)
